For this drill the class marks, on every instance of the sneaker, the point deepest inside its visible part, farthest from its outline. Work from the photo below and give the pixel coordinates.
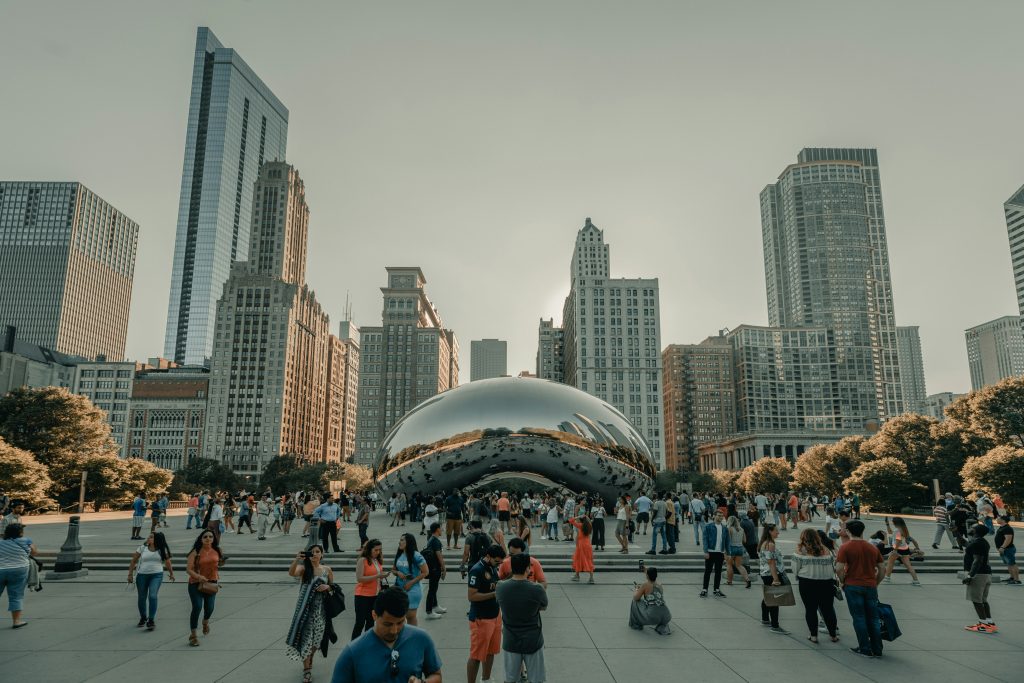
(442, 610)
(915, 582)
(765, 622)
(650, 552)
(888, 579)
(719, 594)
(991, 628)
(150, 625)
(704, 594)
(935, 546)
(778, 629)
(142, 622)
(434, 615)
(1014, 582)
(979, 628)
(858, 651)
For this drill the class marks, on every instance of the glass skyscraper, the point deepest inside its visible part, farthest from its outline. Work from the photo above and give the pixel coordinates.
(827, 266)
(235, 123)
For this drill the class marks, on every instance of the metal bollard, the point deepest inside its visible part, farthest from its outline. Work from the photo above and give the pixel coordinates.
(314, 534)
(69, 559)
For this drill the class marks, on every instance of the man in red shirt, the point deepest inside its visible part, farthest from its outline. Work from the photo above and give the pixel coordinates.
(794, 508)
(860, 568)
(536, 571)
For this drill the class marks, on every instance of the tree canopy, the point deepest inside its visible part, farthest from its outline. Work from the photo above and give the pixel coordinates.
(767, 475)
(1000, 471)
(21, 477)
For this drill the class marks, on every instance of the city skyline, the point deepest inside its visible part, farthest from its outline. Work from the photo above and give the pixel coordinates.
(675, 188)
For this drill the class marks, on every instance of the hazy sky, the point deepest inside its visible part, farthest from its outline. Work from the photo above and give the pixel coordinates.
(474, 138)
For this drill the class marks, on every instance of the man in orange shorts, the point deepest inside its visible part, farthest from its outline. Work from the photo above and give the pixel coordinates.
(484, 615)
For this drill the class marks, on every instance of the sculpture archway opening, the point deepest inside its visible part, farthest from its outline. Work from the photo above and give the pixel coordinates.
(514, 425)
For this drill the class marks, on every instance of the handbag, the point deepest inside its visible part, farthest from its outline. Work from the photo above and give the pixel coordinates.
(334, 601)
(779, 596)
(890, 629)
(206, 587)
(838, 588)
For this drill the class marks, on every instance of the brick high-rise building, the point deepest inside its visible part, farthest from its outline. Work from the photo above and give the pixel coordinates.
(167, 422)
(700, 398)
(342, 394)
(268, 379)
(406, 360)
(67, 262)
(550, 351)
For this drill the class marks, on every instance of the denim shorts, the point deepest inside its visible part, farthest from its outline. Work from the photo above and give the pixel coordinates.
(1009, 556)
(735, 551)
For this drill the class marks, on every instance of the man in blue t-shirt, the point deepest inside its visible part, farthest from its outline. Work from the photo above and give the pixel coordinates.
(328, 513)
(138, 516)
(392, 651)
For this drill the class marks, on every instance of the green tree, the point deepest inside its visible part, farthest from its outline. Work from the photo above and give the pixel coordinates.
(22, 477)
(998, 412)
(1000, 471)
(882, 484)
(62, 430)
(205, 474)
(141, 475)
(288, 473)
(768, 475)
(360, 477)
(105, 481)
(811, 472)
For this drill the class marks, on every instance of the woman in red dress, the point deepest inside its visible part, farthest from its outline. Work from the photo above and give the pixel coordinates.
(583, 557)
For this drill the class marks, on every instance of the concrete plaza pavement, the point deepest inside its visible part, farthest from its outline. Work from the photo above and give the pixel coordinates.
(84, 630)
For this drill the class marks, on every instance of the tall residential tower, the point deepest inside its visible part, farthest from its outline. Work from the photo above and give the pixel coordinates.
(235, 123)
(827, 266)
(911, 368)
(995, 351)
(268, 378)
(67, 260)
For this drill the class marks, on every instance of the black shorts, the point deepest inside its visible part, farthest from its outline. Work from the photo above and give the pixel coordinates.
(504, 516)
(903, 552)
(643, 517)
(307, 517)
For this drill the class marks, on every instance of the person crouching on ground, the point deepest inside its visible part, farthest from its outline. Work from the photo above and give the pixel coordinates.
(648, 607)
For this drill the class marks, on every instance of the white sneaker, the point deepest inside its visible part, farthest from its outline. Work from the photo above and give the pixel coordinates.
(433, 615)
(442, 610)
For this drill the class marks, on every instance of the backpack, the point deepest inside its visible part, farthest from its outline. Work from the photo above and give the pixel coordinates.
(478, 546)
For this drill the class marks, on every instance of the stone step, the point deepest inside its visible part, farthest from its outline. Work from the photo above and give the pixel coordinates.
(690, 562)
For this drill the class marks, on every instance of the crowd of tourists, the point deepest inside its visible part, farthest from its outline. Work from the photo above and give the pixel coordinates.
(835, 558)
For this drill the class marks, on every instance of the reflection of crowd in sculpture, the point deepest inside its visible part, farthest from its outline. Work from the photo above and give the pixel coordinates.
(420, 465)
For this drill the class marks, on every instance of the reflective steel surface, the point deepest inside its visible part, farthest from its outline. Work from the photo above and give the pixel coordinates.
(514, 424)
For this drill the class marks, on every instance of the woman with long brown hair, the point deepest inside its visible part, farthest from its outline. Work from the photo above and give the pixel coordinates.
(772, 572)
(814, 567)
(202, 566)
(371, 576)
(310, 622)
(583, 557)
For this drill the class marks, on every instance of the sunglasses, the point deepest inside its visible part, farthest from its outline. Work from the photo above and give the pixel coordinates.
(393, 664)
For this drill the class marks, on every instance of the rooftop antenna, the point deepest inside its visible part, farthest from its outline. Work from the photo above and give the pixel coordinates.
(348, 307)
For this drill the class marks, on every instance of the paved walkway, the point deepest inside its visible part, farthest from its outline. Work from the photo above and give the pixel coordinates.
(85, 630)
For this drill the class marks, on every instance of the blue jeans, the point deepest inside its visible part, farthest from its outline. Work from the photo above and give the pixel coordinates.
(658, 528)
(200, 601)
(698, 530)
(863, 604)
(148, 585)
(195, 516)
(14, 580)
(553, 529)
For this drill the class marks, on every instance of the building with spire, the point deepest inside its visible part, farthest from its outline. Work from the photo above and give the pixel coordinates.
(611, 338)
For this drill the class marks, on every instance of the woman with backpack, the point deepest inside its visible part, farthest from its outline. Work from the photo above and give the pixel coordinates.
(146, 571)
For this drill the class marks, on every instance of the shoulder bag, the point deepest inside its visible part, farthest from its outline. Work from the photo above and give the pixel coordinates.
(779, 596)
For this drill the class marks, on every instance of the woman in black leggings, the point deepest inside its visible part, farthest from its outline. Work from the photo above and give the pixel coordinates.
(370, 572)
(814, 568)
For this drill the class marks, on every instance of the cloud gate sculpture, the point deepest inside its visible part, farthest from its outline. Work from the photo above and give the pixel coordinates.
(514, 426)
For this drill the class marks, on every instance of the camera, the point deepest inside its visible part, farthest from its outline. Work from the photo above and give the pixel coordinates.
(307, 554)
